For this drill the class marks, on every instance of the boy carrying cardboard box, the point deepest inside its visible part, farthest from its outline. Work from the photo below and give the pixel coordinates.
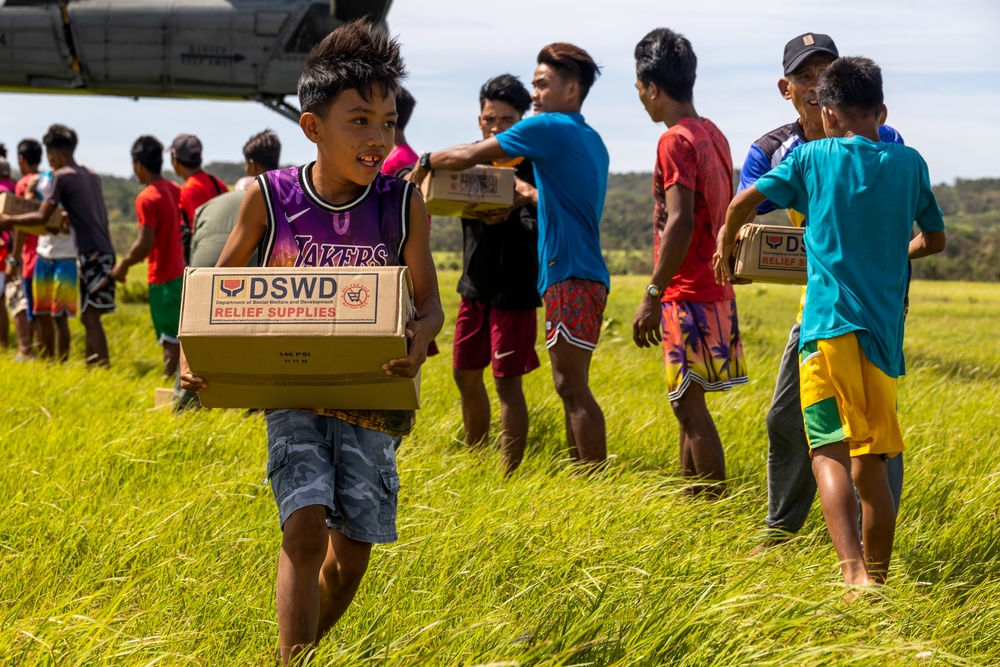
(332, 471)
(860, 197)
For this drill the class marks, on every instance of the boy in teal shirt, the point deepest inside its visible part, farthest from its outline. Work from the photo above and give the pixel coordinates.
(860, 197)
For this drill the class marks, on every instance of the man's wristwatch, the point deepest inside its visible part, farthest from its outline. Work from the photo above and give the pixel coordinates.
(425, 161)
(654, 291)
(12, 261)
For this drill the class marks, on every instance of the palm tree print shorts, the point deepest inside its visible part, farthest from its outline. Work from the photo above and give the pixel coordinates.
(702, 343)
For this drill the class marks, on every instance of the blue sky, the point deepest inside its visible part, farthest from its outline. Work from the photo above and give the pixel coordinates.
(940, 61)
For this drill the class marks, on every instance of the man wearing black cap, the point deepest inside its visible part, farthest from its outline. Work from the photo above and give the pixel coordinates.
(791, 486)
(199, 186)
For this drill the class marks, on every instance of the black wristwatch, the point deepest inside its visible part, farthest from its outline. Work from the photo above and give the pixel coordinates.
(425, 161)
(13, 261)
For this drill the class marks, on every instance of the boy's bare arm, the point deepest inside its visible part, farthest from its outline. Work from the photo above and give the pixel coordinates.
(430, 316)
(240, 246)
(741, 210)
(249, 230)
(926, 243)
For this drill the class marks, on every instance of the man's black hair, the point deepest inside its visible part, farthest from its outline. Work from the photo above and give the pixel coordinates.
(666, 58)
(60, 138)
(851, 84)
(356, 56)
(404, 107)
(31, 151)
(264, 148)
(148, 152)
(506, 88)
(3, 150)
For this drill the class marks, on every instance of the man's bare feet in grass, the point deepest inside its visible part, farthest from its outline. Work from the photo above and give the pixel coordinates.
(861, 590)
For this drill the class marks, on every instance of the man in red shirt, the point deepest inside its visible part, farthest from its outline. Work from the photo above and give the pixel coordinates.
(199, 185)
(158, 209)
(692, 186)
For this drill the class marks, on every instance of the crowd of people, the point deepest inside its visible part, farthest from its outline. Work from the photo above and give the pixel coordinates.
(50, 276)
(837, 169)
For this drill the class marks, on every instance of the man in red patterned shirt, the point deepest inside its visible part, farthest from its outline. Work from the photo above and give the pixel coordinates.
(692, 185)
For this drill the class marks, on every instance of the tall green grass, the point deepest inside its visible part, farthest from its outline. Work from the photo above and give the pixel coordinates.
(131, 536)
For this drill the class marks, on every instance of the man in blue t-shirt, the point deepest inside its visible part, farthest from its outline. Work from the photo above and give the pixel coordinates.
(790, 483)
(857, 236)
(571, 174)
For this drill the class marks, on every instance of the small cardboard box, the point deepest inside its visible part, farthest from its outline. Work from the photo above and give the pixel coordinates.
(163, 396)
(298, 338)
(770, 254)
(480, 188)
(17, 205)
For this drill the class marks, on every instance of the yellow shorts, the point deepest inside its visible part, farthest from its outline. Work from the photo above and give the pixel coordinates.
(847, 397)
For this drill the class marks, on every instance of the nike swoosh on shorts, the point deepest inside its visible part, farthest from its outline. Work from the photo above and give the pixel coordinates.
(497, 355)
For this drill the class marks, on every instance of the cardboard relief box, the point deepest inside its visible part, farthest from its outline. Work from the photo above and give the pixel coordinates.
(479, 188)
(298, 338)
(13, 205)
(770, 254)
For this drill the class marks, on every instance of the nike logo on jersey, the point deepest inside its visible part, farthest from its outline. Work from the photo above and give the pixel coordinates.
(291, 218)
(498, 356)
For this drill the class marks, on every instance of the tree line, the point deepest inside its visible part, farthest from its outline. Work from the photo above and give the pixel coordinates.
(971, 208)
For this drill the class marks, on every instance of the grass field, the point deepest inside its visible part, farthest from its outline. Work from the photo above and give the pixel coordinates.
(130, 536)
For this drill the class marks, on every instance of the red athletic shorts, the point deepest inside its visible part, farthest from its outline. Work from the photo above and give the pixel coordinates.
(485, 335)
(574, 310)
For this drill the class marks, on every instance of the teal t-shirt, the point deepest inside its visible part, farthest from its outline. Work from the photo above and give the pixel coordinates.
(860, 199)
(571, 174)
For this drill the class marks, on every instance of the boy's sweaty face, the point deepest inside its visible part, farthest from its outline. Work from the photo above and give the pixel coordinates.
(354, 135)
(800, 87)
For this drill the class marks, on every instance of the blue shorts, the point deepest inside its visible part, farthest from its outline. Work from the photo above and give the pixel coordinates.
(351, 470)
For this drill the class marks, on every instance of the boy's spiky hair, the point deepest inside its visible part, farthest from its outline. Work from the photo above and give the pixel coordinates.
(506, 88)
(357, 56)
(852, 84)
(666, 58)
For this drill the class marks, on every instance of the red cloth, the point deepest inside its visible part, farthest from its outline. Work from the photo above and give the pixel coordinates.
(695, 155)
(158, 206)
(28, 253)
(197, 190)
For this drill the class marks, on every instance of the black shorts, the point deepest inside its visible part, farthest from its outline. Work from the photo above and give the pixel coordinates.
(97, 287)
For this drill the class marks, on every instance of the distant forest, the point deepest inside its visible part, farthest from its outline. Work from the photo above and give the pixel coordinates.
(971, 208)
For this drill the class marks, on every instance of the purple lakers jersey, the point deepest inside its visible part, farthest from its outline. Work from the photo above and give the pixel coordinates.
(303, 229)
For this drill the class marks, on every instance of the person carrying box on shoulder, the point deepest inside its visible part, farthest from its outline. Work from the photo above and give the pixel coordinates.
(333, 472)
(860, 197)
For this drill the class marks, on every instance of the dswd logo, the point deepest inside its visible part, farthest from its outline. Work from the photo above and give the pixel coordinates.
(773, 241)
(232, 288)
(355, 296)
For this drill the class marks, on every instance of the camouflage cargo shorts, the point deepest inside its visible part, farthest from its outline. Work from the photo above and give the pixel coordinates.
(351, 470)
